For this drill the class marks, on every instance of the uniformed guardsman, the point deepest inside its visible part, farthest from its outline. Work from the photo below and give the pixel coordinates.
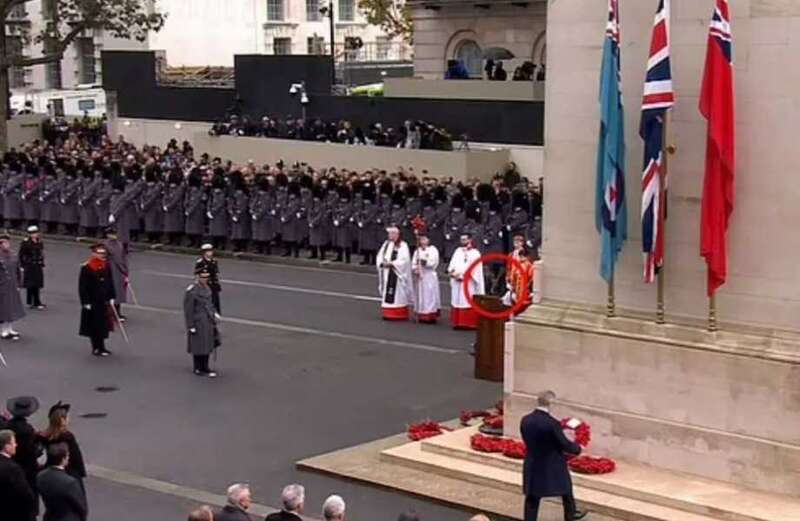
(262, 204)
(195, 209)
(202, 334)
(208, 263)
(31, 261)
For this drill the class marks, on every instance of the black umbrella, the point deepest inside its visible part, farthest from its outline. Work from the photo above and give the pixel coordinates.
(497, 53)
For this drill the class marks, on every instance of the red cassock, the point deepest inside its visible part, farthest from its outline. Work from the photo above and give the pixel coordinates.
(463, 318)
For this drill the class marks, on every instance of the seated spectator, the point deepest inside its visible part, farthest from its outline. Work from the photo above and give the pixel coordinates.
(239, 501)
(293, 499)
(333, 508)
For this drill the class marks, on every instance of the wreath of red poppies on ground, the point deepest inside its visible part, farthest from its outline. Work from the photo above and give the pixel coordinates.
(583, 464)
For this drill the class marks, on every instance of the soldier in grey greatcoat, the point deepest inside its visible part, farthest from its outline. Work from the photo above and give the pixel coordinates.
(11, 308)
(68, 199)
(118, 208)
(202, 334)
(3, 178)
(102, 200)
(413, 208)
(367, 224)
(281, 197)
(319, 225)
(436, 228)
(87, 210)
(239, 212)
(134, 188)
(262, 204)
(217, 211)
(48, 197)
(453, 225)
(150, 204)
(12, 196)
(492, 242)
(195, 209)
(118, 265)
(172, 206)
(344, 230)
(31, 189)
(291, 220)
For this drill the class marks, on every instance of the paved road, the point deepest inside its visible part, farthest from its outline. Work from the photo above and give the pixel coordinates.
(306, 367)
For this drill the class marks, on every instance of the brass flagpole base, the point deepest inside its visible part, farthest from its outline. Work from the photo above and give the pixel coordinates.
(660, 300)
(611, 306)
(712, 314)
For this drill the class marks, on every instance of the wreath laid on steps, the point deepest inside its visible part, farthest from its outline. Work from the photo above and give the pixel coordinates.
(490, 439)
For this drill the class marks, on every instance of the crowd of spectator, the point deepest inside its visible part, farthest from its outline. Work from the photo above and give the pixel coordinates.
(411, 134)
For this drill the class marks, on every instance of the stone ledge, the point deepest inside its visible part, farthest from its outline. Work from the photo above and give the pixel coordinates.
(768, 344)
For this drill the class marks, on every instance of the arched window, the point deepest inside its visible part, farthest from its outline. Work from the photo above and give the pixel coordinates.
(470, 55)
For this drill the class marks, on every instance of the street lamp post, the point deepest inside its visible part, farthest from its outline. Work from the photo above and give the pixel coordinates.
(300, 88)
(327, 10)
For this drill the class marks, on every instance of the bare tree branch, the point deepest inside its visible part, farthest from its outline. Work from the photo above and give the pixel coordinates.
(55, 55)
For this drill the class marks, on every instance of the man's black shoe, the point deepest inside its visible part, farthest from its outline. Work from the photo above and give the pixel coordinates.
(579, 515)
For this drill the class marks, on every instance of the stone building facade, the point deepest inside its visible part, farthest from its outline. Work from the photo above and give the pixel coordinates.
(455, 29)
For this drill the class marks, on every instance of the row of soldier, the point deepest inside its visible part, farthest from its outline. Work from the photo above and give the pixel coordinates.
(260, 208)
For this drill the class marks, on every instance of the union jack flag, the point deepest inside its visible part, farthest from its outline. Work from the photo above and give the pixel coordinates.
(658, 98)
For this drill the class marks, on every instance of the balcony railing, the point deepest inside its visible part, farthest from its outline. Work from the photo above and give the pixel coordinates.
(370, 52)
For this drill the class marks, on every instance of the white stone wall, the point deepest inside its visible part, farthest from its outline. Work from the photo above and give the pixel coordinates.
(763, 250)
(437, 34)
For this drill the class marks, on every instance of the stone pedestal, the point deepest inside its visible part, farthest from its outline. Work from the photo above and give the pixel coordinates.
(725, 405)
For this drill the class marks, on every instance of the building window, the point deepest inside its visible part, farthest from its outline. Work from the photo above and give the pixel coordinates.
(312, 11)
(469, 53)
(347, 11)
(382, 47)
(275, 10)
(282, 46)
(53, 69)
(87, 60)
(315, 45)
(16, 75)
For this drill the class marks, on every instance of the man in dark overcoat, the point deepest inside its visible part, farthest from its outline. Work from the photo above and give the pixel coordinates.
(63, 495)
(31, 261)
(96, 292)
(18, 502)
(202, 335)
(545, 472)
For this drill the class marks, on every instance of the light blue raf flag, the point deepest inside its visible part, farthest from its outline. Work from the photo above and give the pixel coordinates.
(611, 218)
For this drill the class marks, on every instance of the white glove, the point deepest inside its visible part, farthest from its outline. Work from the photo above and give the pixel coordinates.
(87, 306)
(112, 301)
(111, 219)
(217, 316)
(208, 214)
(192, 330)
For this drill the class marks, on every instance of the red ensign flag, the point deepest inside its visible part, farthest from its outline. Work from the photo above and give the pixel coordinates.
(717, 106)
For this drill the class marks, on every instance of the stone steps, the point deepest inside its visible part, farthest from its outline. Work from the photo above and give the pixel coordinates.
(631, 492)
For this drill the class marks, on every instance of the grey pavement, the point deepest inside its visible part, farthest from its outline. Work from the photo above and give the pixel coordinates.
(306, 365)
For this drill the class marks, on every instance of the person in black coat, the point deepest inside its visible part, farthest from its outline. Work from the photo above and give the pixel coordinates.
(63, 495)
(545, 472)
(27, 449)
(96, 291)
(293, 499)
(58, 432)
(31, 260)
(17, 500)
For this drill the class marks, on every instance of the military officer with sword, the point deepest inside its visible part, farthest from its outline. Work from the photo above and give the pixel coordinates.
(97, 296)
